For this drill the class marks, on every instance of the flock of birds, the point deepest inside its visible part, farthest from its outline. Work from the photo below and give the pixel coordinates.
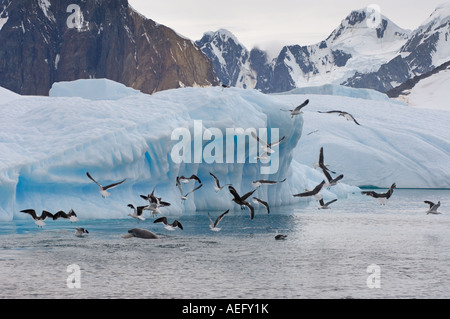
(155, 203)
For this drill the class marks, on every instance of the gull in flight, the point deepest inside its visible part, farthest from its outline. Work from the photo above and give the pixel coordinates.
(242, 201)
(433, 207)
(314, 192)
(137, 212)
(217, 185)
(321, 162)
(213, 225)
(381, 197)
(70, 215)
(260, 182)
(260, 201)
(298, 109)
(265, 148)
(324, 205)
(103, 189)
(39, 220)
(168, 226)
(348, 116)
(181, 179)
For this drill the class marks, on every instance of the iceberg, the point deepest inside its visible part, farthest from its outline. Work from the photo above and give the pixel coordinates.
(47, 144)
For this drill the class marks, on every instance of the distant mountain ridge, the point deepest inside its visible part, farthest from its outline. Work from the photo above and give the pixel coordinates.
(356, 54)
(47, 41)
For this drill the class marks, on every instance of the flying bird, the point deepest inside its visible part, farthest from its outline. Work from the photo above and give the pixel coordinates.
(381, 197)
(260, 201)
(103, 189)
(260, 182)
(242, 201)
(168, 226)
(298, 109)
(217, 185)
(433, 207)
(321, 164)
(186, 180)
(266, 148)
(39, 220)
(213, 225)
(314, 192)
(137, 212)
(348, 116)
(324, 205)
(332, 181)
(180, 187)
(80, 232)
(70, 215)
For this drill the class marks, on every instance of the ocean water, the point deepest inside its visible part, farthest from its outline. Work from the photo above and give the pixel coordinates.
(356, 249)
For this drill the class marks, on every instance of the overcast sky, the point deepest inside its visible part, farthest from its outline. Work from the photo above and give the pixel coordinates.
(269, 23)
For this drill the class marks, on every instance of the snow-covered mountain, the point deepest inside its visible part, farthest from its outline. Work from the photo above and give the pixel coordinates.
(427, 48)
(429, 90)
(354, 46)
(47, 41)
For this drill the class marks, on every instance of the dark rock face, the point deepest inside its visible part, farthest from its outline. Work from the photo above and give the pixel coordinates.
(46, 41)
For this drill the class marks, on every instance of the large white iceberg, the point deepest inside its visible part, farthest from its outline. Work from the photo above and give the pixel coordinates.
(47, 144)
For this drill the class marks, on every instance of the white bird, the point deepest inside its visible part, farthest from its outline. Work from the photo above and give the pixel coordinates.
(433, 207)
(324, 205)
(213, 225)
(314, 192)
(260, 182)
(80, 232)
(137, 212)
(265, 147)
(298, 109)
(381, 197)
(70, 215)
(103, 189)
(217, 185)
(39, 220)
(181, 179)
(168, 226)
(348, 116)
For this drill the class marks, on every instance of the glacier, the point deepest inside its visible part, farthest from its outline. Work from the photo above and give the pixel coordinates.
(47, 144)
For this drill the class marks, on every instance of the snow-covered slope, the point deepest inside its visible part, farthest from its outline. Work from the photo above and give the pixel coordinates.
(430, 93)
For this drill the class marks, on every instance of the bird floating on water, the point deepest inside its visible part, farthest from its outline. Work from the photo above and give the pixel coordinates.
(80, 232)
(140, 233)
(103, 189)
(279, 236)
